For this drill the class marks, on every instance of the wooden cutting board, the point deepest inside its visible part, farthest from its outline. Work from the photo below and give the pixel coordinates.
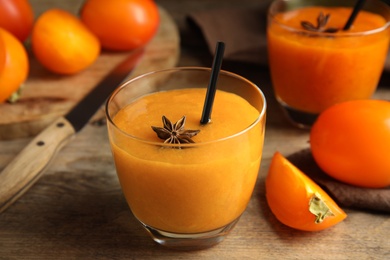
(46, 96)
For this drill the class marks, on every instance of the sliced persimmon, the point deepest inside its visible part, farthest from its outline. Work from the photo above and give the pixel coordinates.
(296, 200)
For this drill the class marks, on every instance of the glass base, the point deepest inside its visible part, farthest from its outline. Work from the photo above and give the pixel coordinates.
(298, 118)
(195, 241)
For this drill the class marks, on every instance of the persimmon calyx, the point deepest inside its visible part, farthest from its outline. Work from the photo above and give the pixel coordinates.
(319, 208)
(15, 95)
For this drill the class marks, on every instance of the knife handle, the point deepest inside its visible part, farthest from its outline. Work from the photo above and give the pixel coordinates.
(26, 168)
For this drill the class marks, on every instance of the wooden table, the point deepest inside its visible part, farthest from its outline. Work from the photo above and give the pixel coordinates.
(77, 211)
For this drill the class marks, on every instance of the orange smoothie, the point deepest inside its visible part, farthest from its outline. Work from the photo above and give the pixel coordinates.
(311, 71)
(192, 189)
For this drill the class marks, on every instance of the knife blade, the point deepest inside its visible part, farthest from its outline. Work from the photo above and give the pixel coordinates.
(26, 168)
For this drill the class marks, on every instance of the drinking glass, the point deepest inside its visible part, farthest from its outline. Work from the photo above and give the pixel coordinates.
(187, 195)
(314, 67)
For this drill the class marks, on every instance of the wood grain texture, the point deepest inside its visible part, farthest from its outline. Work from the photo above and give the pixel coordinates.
(46, 96)
(77, 210)
(20, 174)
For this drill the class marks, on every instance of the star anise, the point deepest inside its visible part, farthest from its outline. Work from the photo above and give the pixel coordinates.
(175, 133)
(322, 21)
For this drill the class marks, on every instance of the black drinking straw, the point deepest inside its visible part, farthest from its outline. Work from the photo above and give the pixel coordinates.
(212, 87)
(358, 6)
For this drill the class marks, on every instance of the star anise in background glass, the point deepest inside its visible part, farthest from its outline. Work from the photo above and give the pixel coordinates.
(175, 133)
(322, 21)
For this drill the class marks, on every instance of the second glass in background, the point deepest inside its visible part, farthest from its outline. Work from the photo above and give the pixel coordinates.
(312, 70)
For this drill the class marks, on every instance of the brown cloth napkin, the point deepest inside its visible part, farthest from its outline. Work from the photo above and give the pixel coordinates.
(243, 31)
(344, 194)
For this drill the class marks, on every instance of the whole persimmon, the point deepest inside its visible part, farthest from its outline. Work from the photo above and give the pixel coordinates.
(62, 43)
(350, 141)
(121, 25)
(17, 17)
(2, 54)
(14, 63)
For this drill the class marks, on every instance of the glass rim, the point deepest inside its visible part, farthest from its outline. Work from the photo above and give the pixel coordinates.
(272, 13)
(123, 85)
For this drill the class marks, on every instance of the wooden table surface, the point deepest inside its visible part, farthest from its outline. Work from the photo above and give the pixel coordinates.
(77, 211)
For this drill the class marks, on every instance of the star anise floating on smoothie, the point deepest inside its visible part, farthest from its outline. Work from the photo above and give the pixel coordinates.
(322, 21)
(175, 133)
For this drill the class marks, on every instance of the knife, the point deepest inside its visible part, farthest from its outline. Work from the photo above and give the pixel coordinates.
(26, 168)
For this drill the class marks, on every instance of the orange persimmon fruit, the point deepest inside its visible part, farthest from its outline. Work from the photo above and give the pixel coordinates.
(17, 17)
(121, 25)
(62, 43)
(350, 142)
(2, 54)
(296, 200)
(14, 63)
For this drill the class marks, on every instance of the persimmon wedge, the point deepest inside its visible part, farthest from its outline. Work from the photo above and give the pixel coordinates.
(296, 200)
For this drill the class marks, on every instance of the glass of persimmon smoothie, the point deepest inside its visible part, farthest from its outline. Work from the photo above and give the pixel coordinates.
(315, 61)
(187, 183)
